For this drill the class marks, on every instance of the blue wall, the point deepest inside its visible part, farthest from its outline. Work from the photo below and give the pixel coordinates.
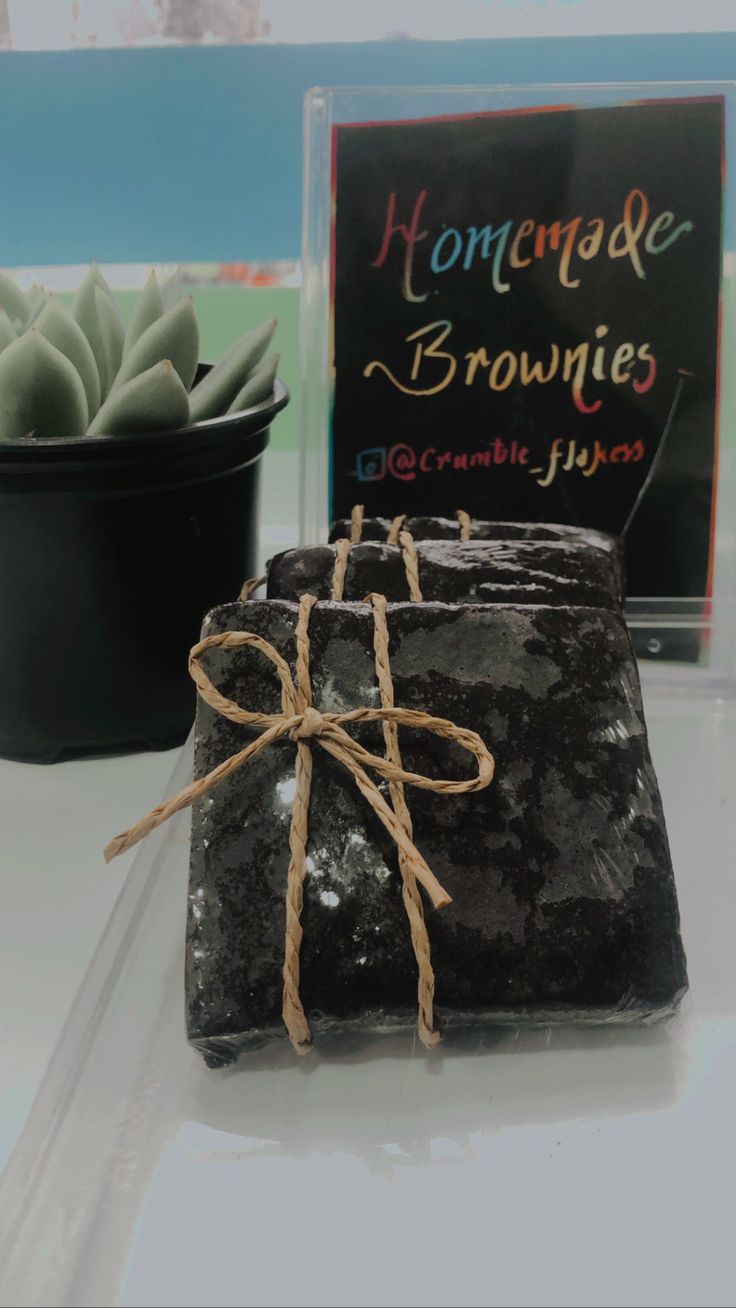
(195, 153)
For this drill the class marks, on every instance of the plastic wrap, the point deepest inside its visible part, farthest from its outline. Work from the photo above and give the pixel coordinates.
(474, 571)
(424, 528)
(563, 901)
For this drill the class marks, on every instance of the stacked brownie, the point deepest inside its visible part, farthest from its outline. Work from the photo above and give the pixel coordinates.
(563, 904)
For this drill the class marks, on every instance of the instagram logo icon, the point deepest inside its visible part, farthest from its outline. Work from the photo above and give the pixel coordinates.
(370, 465)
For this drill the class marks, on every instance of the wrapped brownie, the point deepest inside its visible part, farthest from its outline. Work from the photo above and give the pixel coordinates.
(563, 905)
(475, 571)
(463, 527)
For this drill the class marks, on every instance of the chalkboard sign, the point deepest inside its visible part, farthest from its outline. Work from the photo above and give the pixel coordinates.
(525, 322)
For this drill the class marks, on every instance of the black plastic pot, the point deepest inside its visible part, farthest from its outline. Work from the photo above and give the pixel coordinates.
(111, 551)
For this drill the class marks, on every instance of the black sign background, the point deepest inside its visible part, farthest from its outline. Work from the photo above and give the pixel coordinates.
(546, 166)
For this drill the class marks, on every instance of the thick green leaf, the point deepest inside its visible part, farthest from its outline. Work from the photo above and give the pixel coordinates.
(259, 385)
(173, 336)
(41, 392)
(172, 289)
(153, 401)
(56, 323)
(96, 312)
(37, 298)
(12, 299)
(112, 332)
(148, 309)
(216, 392)
(84, 311)
(100, 280)
(8, 334)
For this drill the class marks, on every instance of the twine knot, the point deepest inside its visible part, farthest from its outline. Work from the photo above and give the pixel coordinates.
(313, 723)
(309, 728)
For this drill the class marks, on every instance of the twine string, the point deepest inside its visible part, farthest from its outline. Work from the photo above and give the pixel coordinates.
(395, 528)
(396, 536)
(252, 584)
(292, 1009)
(410, 890)
(411, 565)
(464, 522)
(308, 727)
(356, 523)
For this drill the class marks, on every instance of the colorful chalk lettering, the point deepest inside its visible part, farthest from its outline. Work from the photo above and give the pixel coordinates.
(522, 304)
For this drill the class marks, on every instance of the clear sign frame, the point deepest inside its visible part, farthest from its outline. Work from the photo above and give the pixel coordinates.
(658, 622)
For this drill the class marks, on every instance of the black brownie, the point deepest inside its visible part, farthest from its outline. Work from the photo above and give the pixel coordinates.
(472, 572)
(564, 905)
(427, 528)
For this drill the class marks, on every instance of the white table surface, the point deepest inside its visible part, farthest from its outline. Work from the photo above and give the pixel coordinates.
(55, 890)
(551, 1168)
(56, 896)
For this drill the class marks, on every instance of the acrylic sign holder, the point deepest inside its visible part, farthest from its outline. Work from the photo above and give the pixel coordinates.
(664, 627)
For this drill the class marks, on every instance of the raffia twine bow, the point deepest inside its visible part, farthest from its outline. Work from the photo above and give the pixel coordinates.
(308, 727)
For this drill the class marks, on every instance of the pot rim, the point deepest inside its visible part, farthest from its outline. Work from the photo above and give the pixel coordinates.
(248, 422)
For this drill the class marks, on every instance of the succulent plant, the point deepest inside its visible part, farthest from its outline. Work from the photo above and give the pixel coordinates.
(74, 371)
